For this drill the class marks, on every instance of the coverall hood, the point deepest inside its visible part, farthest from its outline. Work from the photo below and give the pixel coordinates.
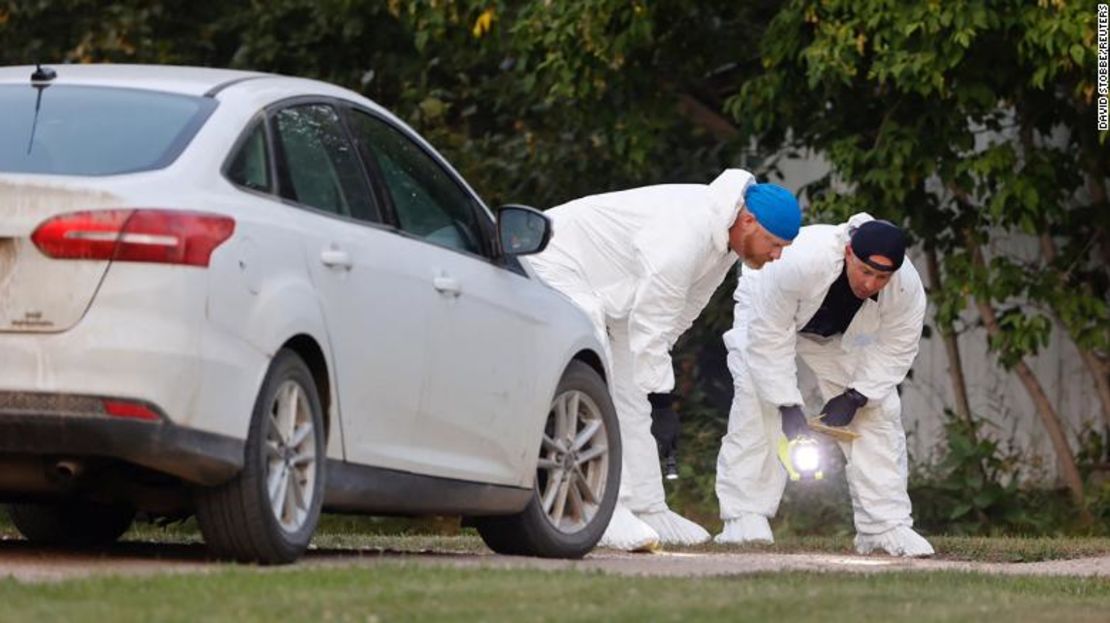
(727, 194)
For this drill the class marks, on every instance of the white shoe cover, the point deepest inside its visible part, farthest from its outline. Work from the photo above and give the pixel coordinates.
(627, 533)
(900, 541)
(674, 529)
(747, 528)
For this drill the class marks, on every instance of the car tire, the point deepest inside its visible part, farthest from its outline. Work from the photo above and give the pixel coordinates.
(544, 528)
(74, 523)
(269, 511)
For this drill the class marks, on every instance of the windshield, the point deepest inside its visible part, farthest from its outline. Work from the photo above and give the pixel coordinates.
(78, 130)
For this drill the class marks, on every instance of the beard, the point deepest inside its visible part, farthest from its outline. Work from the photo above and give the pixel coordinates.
(753, 263)
(746, 244)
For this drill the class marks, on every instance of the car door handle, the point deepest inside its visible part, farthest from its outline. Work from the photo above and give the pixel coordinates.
(336, 258)
(447, 285)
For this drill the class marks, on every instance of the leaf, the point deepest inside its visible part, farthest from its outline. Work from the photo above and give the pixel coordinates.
(1038, 77)
(1077, 53)
(432, 107)
(483, 24)
(985, 498)
(960, 510)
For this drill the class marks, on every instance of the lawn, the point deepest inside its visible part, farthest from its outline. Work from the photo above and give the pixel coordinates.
(396, 590)
(403, 592)
(978, 549)
(338, 532)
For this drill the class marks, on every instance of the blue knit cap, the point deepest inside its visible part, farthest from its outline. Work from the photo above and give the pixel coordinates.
(775, 208)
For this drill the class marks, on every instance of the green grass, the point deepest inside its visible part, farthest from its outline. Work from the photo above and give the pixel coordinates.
(978, 549)
(339, 532)
(356, 534)
(400, 592)
(1015, 549)
(395, 590)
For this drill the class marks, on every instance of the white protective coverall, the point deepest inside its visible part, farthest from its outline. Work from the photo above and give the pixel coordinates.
(643, 263)
(872, 356)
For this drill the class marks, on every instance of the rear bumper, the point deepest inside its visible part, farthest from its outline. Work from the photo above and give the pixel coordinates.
(195, 456)
(144, 338)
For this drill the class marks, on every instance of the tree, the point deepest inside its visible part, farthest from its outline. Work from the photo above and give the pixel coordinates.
(83, 31)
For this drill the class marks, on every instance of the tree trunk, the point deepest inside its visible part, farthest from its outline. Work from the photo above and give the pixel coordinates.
(951, 346)
(1065, 458)
(1069, 471)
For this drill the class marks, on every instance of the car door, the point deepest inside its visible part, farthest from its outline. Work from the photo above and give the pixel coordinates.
(482, 334)
(374, 301)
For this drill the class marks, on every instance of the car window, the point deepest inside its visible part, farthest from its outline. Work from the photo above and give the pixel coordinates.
(427, 200)
(79, 130)
(319, 167)
(250, 166)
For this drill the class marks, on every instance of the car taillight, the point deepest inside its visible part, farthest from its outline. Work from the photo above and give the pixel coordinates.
(159, 236)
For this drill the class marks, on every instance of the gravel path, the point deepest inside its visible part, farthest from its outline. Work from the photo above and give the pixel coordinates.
(27, 563)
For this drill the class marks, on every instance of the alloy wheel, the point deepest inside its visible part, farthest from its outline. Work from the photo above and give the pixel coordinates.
(574, 462)
(290, 456)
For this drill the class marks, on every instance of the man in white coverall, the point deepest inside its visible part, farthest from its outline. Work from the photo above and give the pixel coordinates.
(642, 263)
(844, 299)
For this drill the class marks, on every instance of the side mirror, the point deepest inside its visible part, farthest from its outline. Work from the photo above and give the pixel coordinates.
(522, 230)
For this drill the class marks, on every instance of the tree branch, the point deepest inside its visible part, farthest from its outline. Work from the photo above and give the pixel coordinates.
(707, 118)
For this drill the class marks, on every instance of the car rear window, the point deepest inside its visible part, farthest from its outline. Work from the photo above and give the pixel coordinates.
(80, 130)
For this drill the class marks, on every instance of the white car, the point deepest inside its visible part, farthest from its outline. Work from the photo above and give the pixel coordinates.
(252, 297)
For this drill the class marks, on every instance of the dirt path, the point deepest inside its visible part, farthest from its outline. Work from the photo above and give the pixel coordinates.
(27, 563)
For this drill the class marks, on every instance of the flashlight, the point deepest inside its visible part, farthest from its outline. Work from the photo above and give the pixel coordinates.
(801, 457)
(806, 457)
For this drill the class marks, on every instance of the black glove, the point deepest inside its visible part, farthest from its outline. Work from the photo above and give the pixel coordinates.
(793, 421)
(841, 409)
(665, 425)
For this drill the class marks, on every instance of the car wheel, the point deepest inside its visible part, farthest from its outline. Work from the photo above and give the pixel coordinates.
(72, 522)
(577, 475)
(269, 511)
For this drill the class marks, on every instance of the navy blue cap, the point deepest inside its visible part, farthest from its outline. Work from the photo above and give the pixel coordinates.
(879, 238)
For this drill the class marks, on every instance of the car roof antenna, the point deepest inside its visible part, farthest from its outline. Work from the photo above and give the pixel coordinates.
(40, 76)
(43, 74)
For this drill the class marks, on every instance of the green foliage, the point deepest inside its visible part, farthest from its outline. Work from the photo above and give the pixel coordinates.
(533, 102)
(1093, 458)
(1021, 334)
(958, 119)
(1094, 452)
(978, 488)
(82, 31)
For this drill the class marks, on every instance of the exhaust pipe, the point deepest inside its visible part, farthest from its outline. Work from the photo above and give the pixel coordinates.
(68, 470)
